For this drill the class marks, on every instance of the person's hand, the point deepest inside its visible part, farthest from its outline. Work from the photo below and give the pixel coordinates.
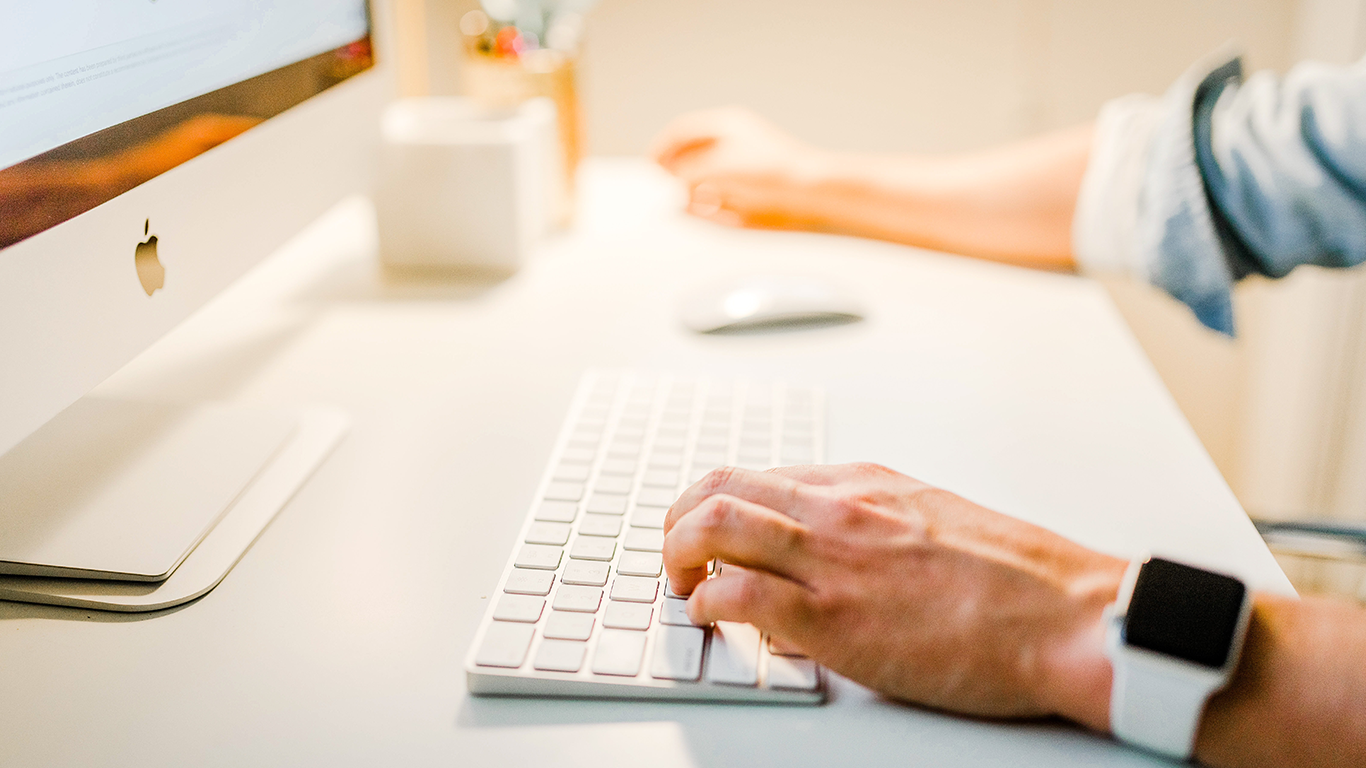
(740, 169)
(906, 588)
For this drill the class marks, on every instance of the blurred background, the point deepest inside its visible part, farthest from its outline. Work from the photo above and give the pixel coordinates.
(1281, 408)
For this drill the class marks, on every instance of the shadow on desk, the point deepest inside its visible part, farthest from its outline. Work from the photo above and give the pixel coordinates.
(357, 280)
(856, 728)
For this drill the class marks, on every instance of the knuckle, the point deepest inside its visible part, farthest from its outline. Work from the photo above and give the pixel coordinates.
(794, 537)
(717, 479)
(745, 589)
(822, 605)
(714, 514)
(870, 469)
(848, 507)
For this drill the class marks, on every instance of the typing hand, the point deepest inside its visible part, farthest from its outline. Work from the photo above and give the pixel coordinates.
(740, 169)
(906, 588)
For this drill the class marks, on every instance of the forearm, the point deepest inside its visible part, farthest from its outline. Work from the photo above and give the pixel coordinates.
(1014, 203)
(1297, 696)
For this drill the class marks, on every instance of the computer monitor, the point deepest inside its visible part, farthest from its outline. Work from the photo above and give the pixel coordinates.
(150, 154)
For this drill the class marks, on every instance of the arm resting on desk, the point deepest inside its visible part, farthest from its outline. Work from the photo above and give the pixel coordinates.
(929, 598)
(1012, 203)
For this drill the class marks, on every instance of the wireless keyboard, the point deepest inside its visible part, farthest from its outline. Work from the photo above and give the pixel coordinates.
(583, 608)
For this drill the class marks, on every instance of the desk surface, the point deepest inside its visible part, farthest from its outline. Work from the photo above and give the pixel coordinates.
(338, 639)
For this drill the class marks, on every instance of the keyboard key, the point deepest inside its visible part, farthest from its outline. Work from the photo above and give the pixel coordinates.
(715, 432)
(699, 472)
(586, 573)
(523, 608)
(569, 626)
(675, 612)
(600, 525)
(524, 582)
(644, 539)
(734, 657)
(607, 505)
(635, 589)
(666, 460)
(649, 517)
(625, 449)
(669, 592)
(619, 467)
(660, 478)
(593, 548)
(628, 616)
(560, 655)
(754, 457)
(678, 653)
(577, 599)
(592, 420)
(564, 491)
(619, 486)
(586, 434)
(577, 442)
(640, 564)
(504, 645)
(557, 511)
(578, 455)
(715, 458)
(791, 674)
(548, 533)
(539, 556)
(618, 653)
(574, 473)
(673, 441)
(782, 648)
(656, 497)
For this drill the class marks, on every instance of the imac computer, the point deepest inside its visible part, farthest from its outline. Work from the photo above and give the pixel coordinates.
(150, 154)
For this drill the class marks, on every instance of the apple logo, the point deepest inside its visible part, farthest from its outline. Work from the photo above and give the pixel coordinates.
(151, 273)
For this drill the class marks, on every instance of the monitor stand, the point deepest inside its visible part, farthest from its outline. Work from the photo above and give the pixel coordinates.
(133, 506)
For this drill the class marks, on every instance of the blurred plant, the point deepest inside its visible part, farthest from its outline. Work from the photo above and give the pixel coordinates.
(540, 23)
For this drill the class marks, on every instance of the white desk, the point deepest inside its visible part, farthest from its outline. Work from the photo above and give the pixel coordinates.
(338, 639)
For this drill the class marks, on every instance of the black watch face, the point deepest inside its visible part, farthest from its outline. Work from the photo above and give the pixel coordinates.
(1184, 612)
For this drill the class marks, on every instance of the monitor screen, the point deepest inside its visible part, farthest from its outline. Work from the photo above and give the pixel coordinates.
(99, 96)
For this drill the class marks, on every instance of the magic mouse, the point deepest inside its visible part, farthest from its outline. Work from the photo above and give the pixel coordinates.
(770, 302)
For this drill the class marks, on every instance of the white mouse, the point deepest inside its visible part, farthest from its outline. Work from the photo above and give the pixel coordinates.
(768, 302)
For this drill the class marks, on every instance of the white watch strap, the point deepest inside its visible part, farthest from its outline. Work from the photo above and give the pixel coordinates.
(1155, 706)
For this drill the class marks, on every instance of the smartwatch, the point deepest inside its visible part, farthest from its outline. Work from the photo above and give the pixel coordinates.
(1174, 636)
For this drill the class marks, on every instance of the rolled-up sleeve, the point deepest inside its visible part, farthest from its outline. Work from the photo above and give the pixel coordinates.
(1222, 178)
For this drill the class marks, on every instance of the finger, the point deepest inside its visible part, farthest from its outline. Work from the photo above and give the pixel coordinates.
(722, 216)
(705, 201)
(685, 132)
(673, 152)
(736, 531)
(764, 488)
(771, 603)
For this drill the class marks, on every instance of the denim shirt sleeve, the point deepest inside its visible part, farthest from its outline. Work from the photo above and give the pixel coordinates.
(1223, 178)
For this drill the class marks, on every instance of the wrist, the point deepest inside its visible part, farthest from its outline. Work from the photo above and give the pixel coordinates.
(1077, 672)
